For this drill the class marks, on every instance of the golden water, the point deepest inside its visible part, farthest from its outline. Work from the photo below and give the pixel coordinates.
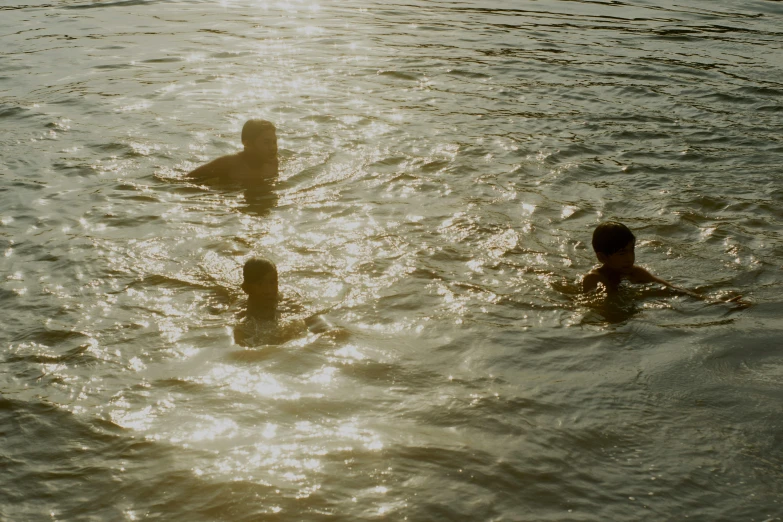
(442, 167)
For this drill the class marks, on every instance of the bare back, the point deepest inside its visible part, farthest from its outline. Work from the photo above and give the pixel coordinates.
(611, 279)
(237, 168)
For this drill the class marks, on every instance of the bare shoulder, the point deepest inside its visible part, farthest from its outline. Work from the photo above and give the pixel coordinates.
(591, 281)
(642, 275)
(220, 167)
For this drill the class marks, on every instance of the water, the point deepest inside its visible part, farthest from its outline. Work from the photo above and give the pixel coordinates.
(443, 165)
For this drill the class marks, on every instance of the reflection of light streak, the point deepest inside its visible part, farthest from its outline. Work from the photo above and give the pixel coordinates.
(568, 211)
(350, 352)
(324, 376)
(244, 381)
(218, 427)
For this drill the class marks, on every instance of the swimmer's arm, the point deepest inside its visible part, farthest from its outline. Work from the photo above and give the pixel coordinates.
(640, 275)
(647, 277)
(318, 324)
(214, 169)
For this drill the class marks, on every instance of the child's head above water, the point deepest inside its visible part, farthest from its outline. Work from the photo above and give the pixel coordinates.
(610, 237)
(259, 138)
(260, 278)
(252, 129)
(614, 245)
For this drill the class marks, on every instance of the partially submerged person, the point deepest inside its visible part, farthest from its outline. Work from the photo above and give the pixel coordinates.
(261, 286)
(614, 245)
(257, 163)
(263, 323)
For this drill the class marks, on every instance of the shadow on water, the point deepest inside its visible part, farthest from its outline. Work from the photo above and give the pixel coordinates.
(600, 308)
(253, 333)
(260, 200)
(629, 302)
(610, 308)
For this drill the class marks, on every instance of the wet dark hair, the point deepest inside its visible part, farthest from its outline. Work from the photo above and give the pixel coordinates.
(257, 268)
(611, 236)
(254, 128)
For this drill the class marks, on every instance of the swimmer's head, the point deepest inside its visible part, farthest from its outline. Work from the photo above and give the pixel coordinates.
(260, 278)
(259, 137)
(610, 237)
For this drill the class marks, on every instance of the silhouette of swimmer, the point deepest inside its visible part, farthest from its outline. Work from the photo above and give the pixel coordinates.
(614, 245)
(261, 286)
(256, 164)
(260, 283)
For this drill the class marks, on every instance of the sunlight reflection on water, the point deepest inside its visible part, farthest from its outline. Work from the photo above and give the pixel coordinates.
(442, 167)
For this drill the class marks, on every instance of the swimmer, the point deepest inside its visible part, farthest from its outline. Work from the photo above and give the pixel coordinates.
(260, 283)
(614, 246)
(256, 164)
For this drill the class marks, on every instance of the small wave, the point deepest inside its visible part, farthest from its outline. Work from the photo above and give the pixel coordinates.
(97, 4)
(170, 59)
(14, 112)
(399, 75)
(50, 337)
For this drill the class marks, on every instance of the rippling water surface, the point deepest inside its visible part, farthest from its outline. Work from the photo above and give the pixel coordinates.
(443, 166)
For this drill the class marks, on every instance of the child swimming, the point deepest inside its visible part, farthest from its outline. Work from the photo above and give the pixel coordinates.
(257, 163)
(262, 323)
(614, 245)
(261, 286)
